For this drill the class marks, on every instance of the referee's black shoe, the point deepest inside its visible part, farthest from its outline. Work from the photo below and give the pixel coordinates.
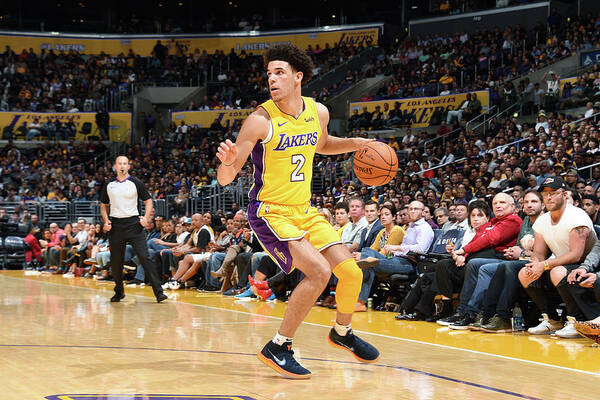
(161, 297)
(117, 297)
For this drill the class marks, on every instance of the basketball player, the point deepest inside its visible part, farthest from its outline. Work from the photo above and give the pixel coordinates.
(282, 136)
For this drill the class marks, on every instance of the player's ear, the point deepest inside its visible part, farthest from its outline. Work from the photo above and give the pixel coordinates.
(299, 76)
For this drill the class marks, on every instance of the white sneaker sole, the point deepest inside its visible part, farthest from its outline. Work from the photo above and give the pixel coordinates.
(459, 328)
(541, 333)
(573, 335)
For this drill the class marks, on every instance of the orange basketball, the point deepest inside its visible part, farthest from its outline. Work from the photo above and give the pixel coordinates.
(375, 164)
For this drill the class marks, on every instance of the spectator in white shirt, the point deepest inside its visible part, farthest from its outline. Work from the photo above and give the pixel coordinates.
(589, 109)
(351, 234)
(542, 122)
(458, 113)
(448, 157)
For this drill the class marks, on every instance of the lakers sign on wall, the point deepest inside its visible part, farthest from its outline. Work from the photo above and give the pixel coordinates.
(84, 122)
(254, 42)
(204, 119)
(420, 109)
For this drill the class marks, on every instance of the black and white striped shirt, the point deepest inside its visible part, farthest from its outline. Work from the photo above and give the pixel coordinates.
(123, 196)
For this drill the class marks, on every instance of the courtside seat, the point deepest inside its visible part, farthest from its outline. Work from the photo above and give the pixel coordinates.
(15, 248)
(2, 253)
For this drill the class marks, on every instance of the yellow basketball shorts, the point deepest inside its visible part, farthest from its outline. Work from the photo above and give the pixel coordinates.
(275, 225)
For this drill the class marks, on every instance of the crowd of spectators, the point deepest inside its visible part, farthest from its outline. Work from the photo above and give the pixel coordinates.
(181, 162)
(47, 81)
(486, 59)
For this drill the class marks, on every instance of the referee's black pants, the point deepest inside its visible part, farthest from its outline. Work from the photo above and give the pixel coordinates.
(129, 230)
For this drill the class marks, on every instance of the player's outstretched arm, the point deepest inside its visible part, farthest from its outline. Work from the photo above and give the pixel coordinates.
(233, 156)
(333, 144)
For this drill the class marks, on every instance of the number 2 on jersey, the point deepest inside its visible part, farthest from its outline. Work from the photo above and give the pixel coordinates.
(298, 176)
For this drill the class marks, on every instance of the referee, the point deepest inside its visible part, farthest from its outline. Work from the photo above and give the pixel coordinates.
(121, 195)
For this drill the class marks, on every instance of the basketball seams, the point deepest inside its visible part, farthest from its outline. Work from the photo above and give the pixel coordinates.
(375, 147)
(392, 156)
(367, 164)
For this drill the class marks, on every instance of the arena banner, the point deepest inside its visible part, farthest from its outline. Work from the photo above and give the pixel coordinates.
(589, 58)
(561, 83)
(119, 123)
(251, 42)
(204, 119)
(420, 109)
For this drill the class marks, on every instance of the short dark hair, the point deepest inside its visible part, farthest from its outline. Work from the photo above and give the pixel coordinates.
(461, 203)
(591, 197)
(534, 191)
(481, 206)
(299, 60)
(370, 203)
(220, 228)
(390, 207)
(575, 195)
(342, 204)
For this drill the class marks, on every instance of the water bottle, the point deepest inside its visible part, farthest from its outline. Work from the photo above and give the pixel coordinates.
(517, 319)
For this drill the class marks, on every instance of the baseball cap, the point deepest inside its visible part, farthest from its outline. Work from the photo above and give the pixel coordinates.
(187, 220)
(555, 183)
(572, 171)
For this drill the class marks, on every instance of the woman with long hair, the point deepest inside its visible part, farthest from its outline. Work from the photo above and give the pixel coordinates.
(378, 253)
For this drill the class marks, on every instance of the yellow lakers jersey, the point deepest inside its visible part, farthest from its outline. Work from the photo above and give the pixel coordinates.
(283, 162)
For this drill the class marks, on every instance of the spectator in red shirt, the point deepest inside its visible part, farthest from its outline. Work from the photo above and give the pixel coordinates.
(35, 251)
(488, 245)
(443, 129)
(57, 242)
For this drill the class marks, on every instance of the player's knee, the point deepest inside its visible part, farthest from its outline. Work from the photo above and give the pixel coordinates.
(318, 273)
(348, 271)
(322, 274)
(350, 280)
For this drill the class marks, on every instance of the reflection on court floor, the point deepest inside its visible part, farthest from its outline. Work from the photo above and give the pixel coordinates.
(65, 341)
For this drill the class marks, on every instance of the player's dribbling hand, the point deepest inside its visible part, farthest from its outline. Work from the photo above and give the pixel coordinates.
(107, 226)
(227, 152)
(361, 142)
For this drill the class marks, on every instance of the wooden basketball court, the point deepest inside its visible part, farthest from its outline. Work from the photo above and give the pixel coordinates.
(62, 339)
